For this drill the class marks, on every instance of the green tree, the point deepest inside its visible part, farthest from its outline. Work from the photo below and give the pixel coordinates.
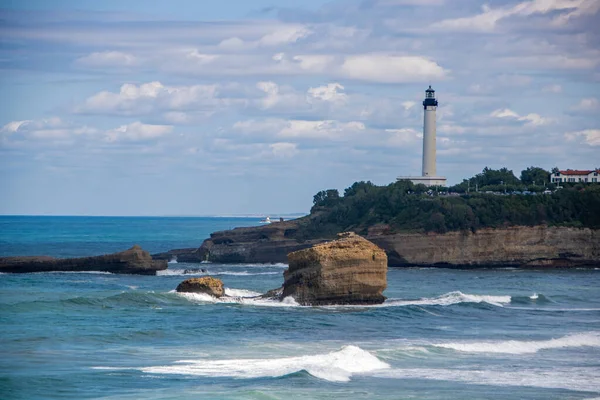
(535, 175)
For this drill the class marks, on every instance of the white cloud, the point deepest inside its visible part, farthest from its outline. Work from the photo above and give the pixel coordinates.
(504, 113)
(200, 58)
(330, 93)
(587, 104)
(44, 129)
(314, 62)
(529, 119)
(391, 69)
(285, 35)
(402, 137)
(590, 136)
(137, 131)
(284, 149)
(301, 129)
(407, 105)
(554, 88)
(108, 59)
(155, 97)
(488, 19)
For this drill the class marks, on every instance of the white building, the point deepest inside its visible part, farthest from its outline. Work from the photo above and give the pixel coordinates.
(429, 175)
(575, 176)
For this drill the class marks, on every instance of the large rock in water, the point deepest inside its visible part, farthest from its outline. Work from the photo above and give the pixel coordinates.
(206, 284)
(349, 270)
(132, 261)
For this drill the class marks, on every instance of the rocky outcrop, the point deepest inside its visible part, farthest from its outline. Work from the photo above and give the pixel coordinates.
(350, 270)
(262, 244)
(521, 246)
(132, 261)
(207, 285)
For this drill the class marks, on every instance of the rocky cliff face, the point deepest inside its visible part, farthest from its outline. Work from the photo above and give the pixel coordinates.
(350, 270)
(528, 247)
(132, 261)
(262, 244)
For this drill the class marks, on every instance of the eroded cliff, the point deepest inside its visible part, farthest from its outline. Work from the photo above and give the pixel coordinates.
(521, 246)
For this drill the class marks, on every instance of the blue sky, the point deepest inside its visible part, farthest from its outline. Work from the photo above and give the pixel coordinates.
(233, 107)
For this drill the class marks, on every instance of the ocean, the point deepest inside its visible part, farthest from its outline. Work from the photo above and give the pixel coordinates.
(441, 334)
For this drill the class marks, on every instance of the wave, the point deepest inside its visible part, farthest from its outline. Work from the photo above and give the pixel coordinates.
(173, 260)
(591, 339)
(576, 378)
(535, 298)
(337, 366)
(244, 273)
(448, 299)
(200, 272)
(75, 272)
(443, 300)
(238, 296)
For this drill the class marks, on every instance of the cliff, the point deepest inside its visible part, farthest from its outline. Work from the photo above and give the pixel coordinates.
(261, 244)
(350, 270)
(132, 261)
(520, 246)
(529, 247)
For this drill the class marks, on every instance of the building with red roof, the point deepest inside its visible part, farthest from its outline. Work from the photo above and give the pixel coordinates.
(575, 176)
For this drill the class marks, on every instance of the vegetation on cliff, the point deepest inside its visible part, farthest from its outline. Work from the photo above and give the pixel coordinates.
(499, 202)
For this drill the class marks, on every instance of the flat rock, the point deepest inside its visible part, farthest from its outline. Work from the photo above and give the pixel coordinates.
(206, 284)
(349, 270)
(132, 261)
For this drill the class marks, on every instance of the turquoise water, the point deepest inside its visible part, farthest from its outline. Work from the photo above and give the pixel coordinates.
(487, 334)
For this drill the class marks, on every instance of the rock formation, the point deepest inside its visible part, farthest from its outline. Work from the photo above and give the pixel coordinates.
(520, 247)
(350, 270)
(132, 261)
(206, 284)
(261, 244)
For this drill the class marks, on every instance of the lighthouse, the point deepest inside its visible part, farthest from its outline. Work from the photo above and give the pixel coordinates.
(429, 171)
(430, 107)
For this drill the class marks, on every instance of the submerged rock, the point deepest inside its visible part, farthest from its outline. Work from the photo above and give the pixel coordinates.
(132, 261)
(349, 270)
(206, 284)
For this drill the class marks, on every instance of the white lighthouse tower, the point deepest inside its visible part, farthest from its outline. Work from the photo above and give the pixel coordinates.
(429, 174)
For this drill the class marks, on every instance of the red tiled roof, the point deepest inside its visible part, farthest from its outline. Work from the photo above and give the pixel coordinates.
(576, 172)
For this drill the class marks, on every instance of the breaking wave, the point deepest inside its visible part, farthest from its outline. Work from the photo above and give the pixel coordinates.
(238, 296)
(591, 339)
(337, 366)
(450, 299)
(200, 272)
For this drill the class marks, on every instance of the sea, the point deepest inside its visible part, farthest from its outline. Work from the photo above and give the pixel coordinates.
(441, 334)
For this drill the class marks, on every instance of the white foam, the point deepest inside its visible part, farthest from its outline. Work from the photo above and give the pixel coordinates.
(337, 366)
(75, 272)
(192, 272)
(244, 297)
(177, 272)
(173, 260)
(241, 293)
(450, 299)
(534, 296)
(591, 339)
(577, 378)
(244, 273)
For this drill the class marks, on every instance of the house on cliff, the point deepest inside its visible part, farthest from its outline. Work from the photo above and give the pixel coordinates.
(575, 176)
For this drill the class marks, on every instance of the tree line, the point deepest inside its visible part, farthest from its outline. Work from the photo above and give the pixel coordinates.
(405, 207)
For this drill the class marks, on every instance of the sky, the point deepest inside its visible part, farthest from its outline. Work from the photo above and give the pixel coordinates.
(229, 107)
